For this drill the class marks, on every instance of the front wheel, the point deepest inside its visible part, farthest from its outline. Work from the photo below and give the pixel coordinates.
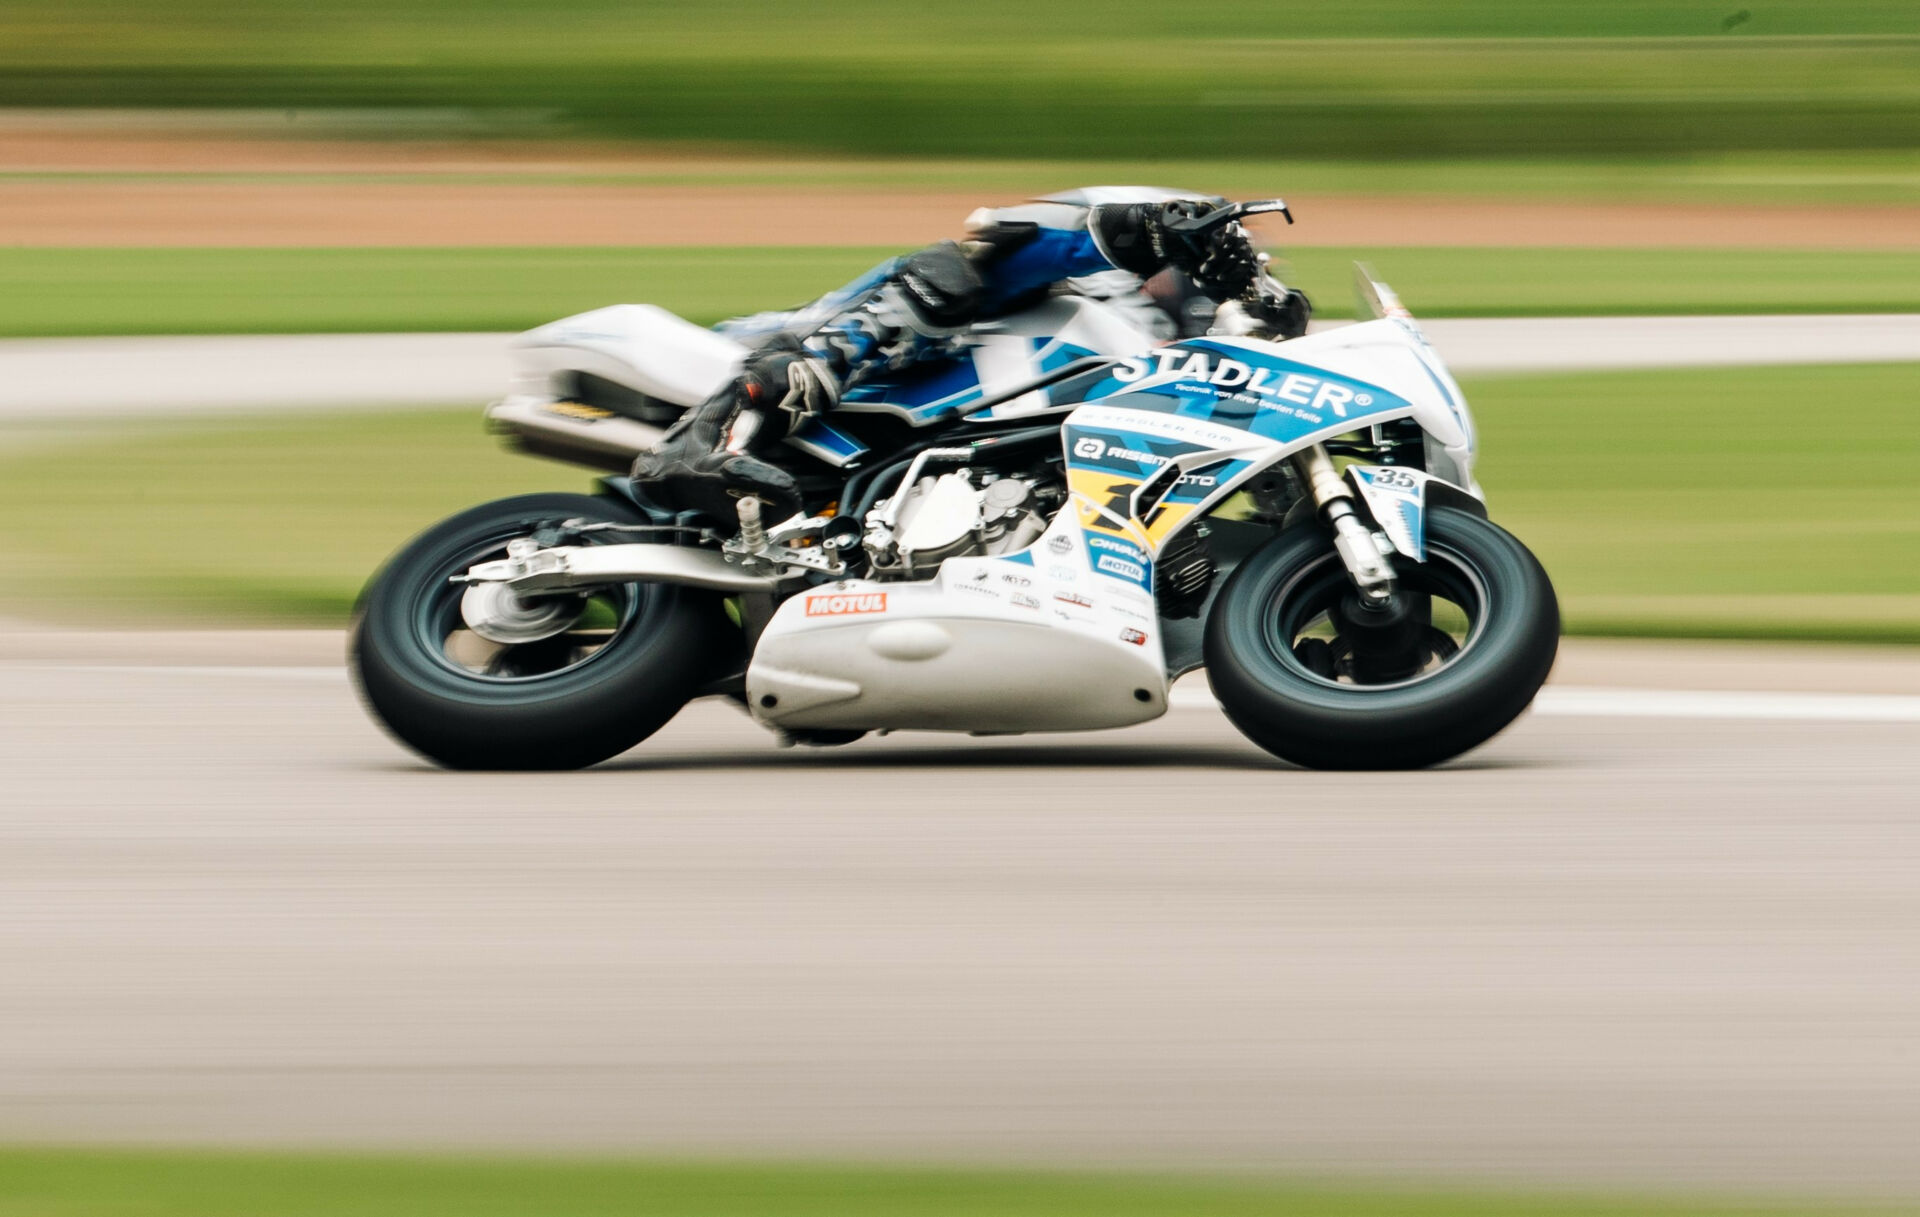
(588, 677)
(1308, 673)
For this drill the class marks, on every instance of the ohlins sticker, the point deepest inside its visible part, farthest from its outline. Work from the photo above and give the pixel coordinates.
(1296, 388)
(845, 604)
(1124, 548)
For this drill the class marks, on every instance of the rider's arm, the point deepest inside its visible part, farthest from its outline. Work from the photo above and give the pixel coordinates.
(1025, 248)
(917, 308)
(1033, 245)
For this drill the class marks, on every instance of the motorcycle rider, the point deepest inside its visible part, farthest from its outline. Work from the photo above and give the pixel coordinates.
(918, 308)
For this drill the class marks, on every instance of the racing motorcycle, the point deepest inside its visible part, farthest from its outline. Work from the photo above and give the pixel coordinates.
(1041, 537)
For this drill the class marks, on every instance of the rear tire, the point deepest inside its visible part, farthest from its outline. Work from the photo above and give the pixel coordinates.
(1277, 690)
(547, 709)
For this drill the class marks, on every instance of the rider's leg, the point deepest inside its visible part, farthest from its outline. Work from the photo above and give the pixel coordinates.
(714, 455)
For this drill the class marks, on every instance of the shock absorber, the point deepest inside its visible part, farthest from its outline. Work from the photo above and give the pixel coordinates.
(1366, 565)
(753, 536)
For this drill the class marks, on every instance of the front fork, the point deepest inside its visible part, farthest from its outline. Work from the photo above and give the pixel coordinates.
(1359, 550)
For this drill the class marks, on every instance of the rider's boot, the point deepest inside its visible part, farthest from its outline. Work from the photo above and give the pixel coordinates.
(711, 458)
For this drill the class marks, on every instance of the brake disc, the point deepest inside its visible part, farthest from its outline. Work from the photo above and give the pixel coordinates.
(499, 614)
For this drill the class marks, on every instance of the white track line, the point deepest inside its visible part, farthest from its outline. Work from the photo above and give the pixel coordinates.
(1574, 701)
(1558, 701)
(1577, 701)
(323, 675)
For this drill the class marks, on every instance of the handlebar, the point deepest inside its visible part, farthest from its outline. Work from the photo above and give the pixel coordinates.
(1218, 217)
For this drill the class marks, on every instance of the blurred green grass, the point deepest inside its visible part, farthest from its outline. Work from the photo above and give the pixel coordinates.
(1757, 503)
(1358, 78)
(48, 292)
(70, 1183)
(1802, 178)
(1740, 503)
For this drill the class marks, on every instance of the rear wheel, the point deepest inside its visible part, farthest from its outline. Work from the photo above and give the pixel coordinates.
(1308, 673)
(586, 677)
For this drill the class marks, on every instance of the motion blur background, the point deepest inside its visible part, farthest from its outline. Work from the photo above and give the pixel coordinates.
(180, 169)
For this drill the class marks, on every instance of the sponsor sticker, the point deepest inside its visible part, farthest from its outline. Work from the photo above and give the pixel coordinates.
(1272, 384)
(579, 411)
(1017, 580)
(1060, 543)
(1112, 546)
(1074, 598)
(1121, 567)
(1136, 637)
(1020, 600)
(1091, 449)
(846, 603)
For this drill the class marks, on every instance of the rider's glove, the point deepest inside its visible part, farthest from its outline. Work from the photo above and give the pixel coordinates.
(1136, 237)
(785, 375)
(1283, 312)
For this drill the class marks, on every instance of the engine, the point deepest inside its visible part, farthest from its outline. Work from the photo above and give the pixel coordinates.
(964, 513)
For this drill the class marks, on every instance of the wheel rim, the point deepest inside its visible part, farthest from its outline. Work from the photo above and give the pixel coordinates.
(441, 633)
(1303, 628)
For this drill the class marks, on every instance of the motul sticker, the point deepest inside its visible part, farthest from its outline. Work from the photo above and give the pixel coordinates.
(842, 605)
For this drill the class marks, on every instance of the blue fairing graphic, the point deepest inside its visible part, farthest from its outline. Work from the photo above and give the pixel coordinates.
(1051, 354)
(926, 392)
(936, 390)
(826, 441)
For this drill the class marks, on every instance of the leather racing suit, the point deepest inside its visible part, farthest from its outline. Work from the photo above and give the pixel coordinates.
(918, 308)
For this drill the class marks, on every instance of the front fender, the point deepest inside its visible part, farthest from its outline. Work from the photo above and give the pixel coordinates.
(1398, 500)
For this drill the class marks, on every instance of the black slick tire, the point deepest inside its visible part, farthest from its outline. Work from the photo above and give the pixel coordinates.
(1281, 699)
(665, 647)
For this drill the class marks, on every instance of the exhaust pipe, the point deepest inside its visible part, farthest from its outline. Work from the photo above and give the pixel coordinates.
(571, 432)
(529, 569)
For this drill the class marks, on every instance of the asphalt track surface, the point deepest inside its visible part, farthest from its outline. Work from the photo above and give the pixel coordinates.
(1640, 938)
(58, 379)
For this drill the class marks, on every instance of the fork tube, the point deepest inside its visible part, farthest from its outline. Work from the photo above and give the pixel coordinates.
(1366, 565)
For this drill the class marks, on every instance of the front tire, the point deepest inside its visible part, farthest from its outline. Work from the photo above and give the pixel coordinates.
(1291, 682)
(562, 702)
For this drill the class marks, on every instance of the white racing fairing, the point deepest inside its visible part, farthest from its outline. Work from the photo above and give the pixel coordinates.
(1063, 635)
